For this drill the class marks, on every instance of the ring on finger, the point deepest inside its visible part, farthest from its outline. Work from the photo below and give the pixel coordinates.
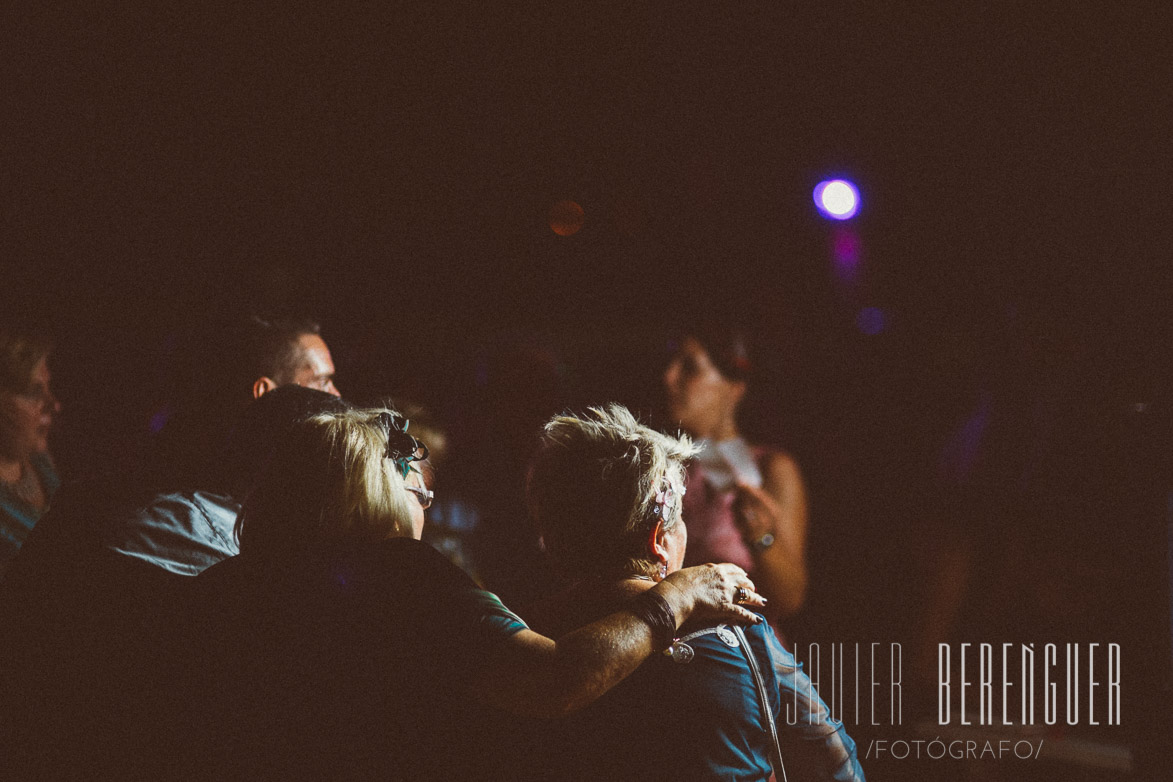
(741, 595)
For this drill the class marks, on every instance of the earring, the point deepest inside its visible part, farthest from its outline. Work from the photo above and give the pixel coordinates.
(663, 572)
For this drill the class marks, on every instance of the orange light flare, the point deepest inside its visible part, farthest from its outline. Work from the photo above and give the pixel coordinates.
(566, 218)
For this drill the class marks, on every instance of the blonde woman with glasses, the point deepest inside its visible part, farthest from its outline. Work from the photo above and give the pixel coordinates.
(346, 648)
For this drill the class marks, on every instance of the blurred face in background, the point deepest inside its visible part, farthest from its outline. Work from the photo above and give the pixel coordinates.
(699, 398)
(27, 417)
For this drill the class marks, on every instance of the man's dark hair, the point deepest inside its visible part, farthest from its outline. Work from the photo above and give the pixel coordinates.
(728, 348)
(269, 347)
(218, 362)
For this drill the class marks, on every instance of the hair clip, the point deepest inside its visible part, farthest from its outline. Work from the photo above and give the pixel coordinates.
(402, 448)
(665, 499)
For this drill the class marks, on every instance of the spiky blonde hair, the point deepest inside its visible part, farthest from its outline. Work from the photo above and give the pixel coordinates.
(593, 487)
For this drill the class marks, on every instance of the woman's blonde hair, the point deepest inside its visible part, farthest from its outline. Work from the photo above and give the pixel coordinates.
(600, 483)
(330, 480)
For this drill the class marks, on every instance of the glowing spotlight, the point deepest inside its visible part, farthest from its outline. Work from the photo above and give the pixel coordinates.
(837, 199)
(566, 218)
(870, 321)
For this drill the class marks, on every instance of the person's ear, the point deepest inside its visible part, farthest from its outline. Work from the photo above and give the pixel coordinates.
(656, 543)
(262, 386)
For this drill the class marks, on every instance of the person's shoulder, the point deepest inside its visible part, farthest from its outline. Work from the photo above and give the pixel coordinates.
(772, 458)
(76, 516)
(399, 568)
(570, 609)
(168, 506)
(778, 466)
(228, 580)
(169, 501)
(419, 556)
(227, 569)
(722, 632)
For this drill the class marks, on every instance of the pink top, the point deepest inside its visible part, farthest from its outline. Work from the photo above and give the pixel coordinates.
(713, 533)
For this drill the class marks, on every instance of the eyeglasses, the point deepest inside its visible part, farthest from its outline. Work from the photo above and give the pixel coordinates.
(425, 496)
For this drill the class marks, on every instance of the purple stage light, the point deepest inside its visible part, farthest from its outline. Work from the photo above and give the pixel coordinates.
(846, 255)
(837, 199)
(845, 246)
(159, 419)
(870, 321)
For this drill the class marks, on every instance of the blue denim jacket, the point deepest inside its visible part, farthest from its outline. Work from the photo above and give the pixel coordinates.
(181, 532)
(691, 713)
(814, 744)
(717, 680)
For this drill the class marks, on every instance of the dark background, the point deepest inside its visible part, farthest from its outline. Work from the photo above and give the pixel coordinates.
(390, 169)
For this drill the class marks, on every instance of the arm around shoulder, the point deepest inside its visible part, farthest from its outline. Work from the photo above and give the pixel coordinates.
(537, 676)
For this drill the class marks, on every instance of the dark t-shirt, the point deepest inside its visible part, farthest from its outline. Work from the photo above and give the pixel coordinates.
(356, 663)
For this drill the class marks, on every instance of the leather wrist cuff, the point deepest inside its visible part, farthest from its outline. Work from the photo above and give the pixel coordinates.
(655, 612)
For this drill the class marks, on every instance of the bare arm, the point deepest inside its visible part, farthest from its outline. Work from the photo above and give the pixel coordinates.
(540, 677)
(779, 508)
